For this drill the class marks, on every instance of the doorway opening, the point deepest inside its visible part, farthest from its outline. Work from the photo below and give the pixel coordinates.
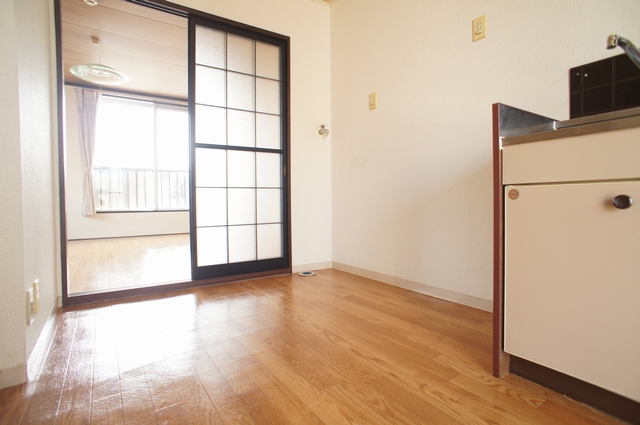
(144, 206)
(136, 232)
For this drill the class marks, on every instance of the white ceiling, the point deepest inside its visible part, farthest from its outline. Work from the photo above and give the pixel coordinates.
(147, 45)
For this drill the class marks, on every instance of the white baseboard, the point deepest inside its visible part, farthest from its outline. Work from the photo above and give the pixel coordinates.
(11, 376)
(445, 294)
(39, 353)
(313, 266)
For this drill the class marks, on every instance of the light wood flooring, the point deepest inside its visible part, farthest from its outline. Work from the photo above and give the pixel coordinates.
(116, 263)
(330, 349)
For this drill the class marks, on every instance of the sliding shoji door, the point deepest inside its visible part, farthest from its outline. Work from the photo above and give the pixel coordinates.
(240, 190)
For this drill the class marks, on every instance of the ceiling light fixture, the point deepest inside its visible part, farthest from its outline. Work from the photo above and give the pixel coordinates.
(98, 73)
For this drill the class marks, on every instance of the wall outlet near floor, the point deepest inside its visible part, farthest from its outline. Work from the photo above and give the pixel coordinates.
(373, 101)
(29, 306)
(36, 296)
(479, 28)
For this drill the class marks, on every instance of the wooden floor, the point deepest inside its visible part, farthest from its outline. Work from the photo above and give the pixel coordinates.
(329, 349)
(116, 263)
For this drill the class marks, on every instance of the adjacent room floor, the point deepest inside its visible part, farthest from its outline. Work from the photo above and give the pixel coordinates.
(116, 263)
(330, 349)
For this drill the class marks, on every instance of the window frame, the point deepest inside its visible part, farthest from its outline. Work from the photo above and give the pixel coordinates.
(156, 104)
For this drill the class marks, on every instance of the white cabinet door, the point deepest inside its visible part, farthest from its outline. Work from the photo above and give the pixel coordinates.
(572, 281)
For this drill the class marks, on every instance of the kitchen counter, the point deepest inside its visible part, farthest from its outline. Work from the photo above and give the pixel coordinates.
(553, 129)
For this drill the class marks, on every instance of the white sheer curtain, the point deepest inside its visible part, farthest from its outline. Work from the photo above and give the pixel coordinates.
(88, 101)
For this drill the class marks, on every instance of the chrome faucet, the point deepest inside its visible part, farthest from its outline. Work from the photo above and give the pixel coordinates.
(631, 50)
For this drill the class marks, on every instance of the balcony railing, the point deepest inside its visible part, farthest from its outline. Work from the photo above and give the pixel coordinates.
(126, 189)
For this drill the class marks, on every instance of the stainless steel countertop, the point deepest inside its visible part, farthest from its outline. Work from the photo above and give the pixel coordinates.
(618, 120)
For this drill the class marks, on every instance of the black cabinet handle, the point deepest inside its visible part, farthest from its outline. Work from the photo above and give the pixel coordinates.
(622, 202)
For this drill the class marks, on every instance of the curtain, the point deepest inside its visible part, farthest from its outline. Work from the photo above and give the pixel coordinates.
(87, 114)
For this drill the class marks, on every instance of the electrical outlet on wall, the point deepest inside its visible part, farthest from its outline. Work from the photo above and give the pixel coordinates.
(479, 28)
(29, 306)
(36, 296)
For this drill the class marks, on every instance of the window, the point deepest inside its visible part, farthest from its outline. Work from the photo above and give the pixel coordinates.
(141, 159)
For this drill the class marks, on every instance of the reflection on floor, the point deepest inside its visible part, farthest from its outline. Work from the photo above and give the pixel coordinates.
(99, 264)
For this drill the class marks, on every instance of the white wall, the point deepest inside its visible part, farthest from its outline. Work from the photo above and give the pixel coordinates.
(107, 225)
(28, 219)
(307, 23)
(412, 197)
(13, 331)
